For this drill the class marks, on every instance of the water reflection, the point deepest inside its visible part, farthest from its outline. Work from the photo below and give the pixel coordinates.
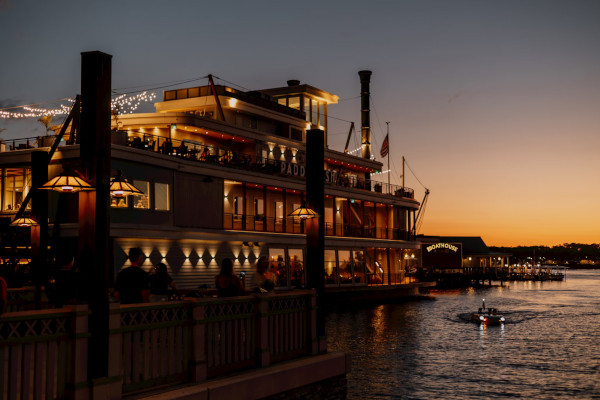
(547, 349)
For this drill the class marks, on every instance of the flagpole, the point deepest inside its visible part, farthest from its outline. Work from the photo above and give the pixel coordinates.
(388, 157)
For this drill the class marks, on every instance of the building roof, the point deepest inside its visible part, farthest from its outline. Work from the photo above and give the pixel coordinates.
(471, 245)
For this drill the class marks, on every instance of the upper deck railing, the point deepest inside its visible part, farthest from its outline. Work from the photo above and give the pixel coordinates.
(256, 98)
(196, 151)
(192, 150)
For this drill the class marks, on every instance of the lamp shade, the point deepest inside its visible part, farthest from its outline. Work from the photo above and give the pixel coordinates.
(66, 183)
(119, 187)
(304, 212)
(24, 222)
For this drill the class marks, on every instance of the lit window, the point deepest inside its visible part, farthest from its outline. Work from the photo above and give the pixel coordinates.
(119, 202)
(294, 102)
(259, 208)
(278, 267)
(142, 201)
(330, 268)
(161, 197)
(16, 186)
(239, 205)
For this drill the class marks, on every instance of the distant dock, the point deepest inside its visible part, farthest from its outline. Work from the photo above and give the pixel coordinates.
(488, 275)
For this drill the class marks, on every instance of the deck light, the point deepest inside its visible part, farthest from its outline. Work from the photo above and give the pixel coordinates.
(66, 183)
(304, 212)
(119, 187)
(24, 222)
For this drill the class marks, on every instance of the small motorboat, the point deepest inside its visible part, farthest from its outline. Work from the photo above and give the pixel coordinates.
(487, 316)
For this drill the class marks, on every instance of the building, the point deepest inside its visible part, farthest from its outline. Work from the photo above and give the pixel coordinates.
(220, 170)
(462, 255)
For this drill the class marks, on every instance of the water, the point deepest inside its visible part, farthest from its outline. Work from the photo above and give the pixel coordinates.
(548, 349)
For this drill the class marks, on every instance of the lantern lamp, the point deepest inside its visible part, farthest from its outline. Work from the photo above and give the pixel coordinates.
(119, 187)
(304, 212)
(24, 222)
(66, 183)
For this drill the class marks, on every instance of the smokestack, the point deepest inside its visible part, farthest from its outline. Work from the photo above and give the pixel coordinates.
(365, 113)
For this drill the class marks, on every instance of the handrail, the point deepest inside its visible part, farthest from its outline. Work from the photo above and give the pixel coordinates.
(154, 345)
(293, 225)
(193, 150)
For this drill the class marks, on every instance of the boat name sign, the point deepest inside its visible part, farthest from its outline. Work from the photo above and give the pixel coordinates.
(299, 170)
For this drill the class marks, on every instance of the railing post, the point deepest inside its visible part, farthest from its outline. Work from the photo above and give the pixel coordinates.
(198, 357)
(312, 323)
(78, 386)
(263, 353)
(111, 386)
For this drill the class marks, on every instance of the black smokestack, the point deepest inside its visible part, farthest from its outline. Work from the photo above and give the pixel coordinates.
(365, 113)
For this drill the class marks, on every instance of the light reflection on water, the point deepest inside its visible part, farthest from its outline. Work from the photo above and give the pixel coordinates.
(549, 348)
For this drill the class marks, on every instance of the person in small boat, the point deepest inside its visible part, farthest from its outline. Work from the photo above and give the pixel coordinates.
(228, 285)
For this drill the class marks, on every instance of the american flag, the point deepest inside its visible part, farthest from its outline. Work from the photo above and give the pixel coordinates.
(385, 147)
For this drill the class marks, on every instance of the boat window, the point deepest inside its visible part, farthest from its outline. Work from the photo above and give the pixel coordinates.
(277, 265)
(296, 262)
(279, 210)
(359, 267)
(259, 207)
(238, 203)
(294, 102)
(282, 101)
(322, 114)
(307, 107)
(330, 268)
(16, 184)
(345, 266)
(329, 215)
(314, 111)
(142, 201)
(119, 202)
(161, 197)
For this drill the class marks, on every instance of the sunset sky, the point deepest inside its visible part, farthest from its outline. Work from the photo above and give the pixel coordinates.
(495, 104)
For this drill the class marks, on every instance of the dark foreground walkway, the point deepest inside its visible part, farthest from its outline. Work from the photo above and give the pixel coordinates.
(315, 377)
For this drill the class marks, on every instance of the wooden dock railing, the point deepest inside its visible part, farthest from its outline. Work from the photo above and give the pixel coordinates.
(43, 354)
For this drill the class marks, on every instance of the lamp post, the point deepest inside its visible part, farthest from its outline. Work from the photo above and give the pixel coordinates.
(311, 212)
(315, 227)
(94, 242)
(39, 211)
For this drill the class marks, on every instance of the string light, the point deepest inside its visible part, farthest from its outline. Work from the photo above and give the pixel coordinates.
(122, 104)
(33, 112)
(382, 172)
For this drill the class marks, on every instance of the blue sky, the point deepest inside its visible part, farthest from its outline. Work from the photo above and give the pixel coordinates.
(493, 103)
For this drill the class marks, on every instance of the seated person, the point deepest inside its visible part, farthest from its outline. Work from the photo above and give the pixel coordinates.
(228, 285)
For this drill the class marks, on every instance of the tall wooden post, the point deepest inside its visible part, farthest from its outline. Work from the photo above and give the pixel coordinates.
(94, 251)
(315, 227)
(39, 211)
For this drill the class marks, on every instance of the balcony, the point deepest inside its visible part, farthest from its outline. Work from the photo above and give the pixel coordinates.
(224, 156)
(259, 223)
